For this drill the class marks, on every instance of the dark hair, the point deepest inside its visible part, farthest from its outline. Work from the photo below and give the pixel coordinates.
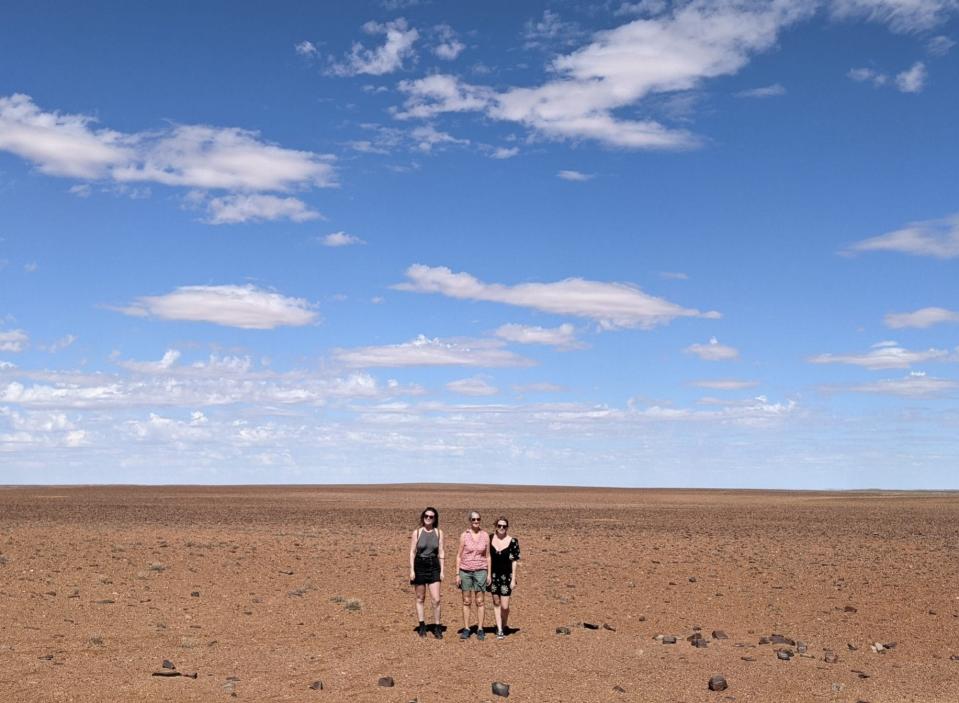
(436, 520)
(502, 518)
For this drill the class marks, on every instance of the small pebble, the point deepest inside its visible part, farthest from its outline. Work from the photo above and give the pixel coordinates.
(316, 686)
(500, 689)
(718, 683)
(386, 682)
(562, 631)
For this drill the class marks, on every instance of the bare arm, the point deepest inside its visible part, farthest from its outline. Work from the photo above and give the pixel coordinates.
(442, 554)
(489, 558)
(412, 551)
(459, 555)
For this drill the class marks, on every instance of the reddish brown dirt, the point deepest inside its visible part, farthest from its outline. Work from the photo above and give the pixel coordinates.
(96, 584)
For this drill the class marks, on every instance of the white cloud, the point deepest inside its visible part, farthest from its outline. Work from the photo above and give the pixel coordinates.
(912, 80)
(450, 46)
(427, 137)
(643, 8)
(538, 388)
(59, 144)
(884, 355)
(619, 68)
(170, 357)
(305, 48)
(13, 340)
(384, 59)
(937, 238)
(725, 384)
(611, 305)
(549, 31)
(62, 343)
(940, 45)
(341, 239)
(563, 336)
(503, 152)
(233, 209)
(472, 386)
(575, 176)
(922, 318)
(868, 75)
(198, 156)
(905, 16)
(766, 91)
(713, 351)
(246, 307)
(226, 158)
(423, 351)
(916, 385)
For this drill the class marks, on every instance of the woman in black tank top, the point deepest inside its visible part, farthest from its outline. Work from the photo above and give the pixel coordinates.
(426, 568)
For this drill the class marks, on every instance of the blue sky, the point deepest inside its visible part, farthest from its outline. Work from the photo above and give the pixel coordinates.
(611, 243)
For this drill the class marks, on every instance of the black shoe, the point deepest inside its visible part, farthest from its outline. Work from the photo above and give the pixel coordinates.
(438, 632)
(421, 630)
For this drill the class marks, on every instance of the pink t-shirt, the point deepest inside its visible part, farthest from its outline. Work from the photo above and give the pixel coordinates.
(475, 549)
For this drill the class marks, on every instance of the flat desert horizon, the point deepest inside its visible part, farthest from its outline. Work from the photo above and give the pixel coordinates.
(262, 591)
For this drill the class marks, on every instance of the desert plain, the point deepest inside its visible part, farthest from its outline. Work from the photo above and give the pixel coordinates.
(264, 591)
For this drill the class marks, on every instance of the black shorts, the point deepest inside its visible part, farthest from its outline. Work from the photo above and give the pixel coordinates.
(425, 570)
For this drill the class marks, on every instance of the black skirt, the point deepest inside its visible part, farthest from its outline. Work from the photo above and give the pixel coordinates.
(425, 570)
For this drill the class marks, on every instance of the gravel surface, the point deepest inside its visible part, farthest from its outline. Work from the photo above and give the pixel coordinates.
(263, 592)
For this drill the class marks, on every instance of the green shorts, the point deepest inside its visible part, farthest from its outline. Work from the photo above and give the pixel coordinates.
(473, 580)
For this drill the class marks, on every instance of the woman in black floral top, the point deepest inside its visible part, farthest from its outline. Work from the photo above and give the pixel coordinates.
(504, 553)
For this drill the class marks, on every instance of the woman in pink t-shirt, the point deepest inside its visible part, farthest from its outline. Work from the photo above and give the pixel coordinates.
(472, 568)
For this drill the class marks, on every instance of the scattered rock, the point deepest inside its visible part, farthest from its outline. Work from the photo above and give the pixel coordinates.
(801, 647)
(763, 640)
(316, 686)
(386, 682)
(167, 672)
(590, 626)
(562, 631)
(851, 646)
(831, 657)
(669, 639)
(167, 664)
(607, 626)
(718, 683)
(748, 659)
(782, 639)
(692, 579)
(194, 594)
(642, 618)
(500, 689)
(784, 654)
(890, 645)
(720, 635)
(954, 657)
(850, 609)
(700, 643)
(619, 689)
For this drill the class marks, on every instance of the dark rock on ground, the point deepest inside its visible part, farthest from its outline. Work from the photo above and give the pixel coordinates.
(386, 682)
(619, 689)
(167, 672)
(194, 594)
(784, 654)
(748, 659)
(500, 689)
(562, 631)
(720, 635)
(607, 626)
(316, 686)
(167, 664)
(850, 609)
(831, 658)
(669, 639)
(718, 683)
(590, 626)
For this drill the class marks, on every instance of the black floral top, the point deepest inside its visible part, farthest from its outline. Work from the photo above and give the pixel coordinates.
(502, 567)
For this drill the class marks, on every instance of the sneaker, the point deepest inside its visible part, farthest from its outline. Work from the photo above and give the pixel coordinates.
(421, 630)
(438, 632)
(481, 634)
(500, 635)
(465, 634)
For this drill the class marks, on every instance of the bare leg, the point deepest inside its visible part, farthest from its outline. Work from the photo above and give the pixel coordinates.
(480, 609)
(467, 599)
(435, 597)
(497, 614)
(420, 598)
(504, 606)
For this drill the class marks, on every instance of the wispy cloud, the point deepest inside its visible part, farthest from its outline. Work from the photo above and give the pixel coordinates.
(937, 238)
(725, 384)
(940, 45)
(341, 239)
(305, 48)
(916, 385)
(389, 57)
(13, 340)
(883, 355)
(577, 176)
(563, 336)
(911, 80)
(713, 351)
(449, 46)
(246, 307)
(234, 209)
(475, 386)
(424, 351)
(904, 16)
(619, 68)
(611, 305)
(922, 318)
(766, 91)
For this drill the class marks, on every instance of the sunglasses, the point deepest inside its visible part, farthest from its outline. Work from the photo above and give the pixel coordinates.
(429, 517)
(474, 519)
(501, 526)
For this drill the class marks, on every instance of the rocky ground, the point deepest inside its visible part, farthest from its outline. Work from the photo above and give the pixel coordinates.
(264, 594)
